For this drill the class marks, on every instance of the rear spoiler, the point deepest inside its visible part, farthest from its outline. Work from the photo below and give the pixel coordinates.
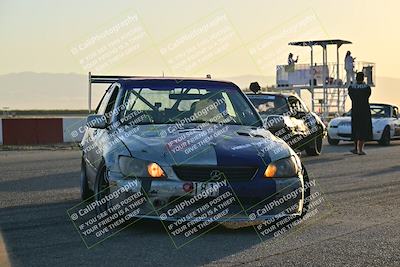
(110, 79)
(102, 79)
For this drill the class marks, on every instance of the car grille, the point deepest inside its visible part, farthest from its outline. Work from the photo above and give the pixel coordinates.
(207, 173)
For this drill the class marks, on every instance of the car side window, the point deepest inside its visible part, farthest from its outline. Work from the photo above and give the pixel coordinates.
(395, 112)
(101, 109)
(296, 105)
(112, 100)
(229, 107)
(108, 102)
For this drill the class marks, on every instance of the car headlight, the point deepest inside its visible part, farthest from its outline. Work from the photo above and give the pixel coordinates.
(283, 168)
(139, 168)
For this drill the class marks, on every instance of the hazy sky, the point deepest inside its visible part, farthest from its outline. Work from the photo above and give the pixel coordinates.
(40, 35)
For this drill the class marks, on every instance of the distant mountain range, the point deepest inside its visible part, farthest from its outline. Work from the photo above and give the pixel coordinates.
(29, 90)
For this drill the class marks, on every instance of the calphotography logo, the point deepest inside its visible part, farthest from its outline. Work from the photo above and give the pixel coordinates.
(216, 175)
(111, 45)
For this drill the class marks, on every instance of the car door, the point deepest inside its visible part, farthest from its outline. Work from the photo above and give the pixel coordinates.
(396, 118)
(98, 137)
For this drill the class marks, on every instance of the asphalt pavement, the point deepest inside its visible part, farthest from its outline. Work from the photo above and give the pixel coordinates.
(358, 223)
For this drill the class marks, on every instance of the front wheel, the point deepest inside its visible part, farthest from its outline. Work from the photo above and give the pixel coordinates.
(102, 189)
(305, 205)
(315, 147)
(385, 139)
(307, 192)
(333, 142)
(86, 193)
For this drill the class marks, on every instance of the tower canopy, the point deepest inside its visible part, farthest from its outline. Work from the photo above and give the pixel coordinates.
(321, 42)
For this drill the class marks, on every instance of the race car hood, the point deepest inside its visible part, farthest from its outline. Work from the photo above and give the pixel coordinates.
(228, 145)
(339, 120)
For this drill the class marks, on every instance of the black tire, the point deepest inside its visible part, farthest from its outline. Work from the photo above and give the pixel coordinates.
(307, 192)
(385, 139)
(306, 204)
(315, 147)
(333, 142)
(86, 193)
(101, 188)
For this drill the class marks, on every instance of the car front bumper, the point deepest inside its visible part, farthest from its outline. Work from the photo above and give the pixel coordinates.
(165, 198)
(340, 132)
(343, 132)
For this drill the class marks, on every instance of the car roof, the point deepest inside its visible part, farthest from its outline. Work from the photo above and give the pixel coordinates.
(168, 82)
(270, 93)
(381, 104)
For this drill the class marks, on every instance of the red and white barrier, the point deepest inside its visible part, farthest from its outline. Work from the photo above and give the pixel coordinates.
(34, 131)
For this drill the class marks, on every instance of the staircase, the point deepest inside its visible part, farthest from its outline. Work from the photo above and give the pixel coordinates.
(334, 104)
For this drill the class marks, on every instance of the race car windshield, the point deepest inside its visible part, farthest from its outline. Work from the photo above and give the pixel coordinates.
(376, 112)
(186, 106)
(380, 111)
(270, 105)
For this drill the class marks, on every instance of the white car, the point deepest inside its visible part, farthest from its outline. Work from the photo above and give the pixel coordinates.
(385, 125)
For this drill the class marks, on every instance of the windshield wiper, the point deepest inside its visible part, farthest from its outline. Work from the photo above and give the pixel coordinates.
(132, 123)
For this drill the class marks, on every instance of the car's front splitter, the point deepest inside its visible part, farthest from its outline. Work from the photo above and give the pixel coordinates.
(169, 198)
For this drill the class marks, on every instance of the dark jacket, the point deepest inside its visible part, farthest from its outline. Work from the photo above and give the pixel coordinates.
(361, 124)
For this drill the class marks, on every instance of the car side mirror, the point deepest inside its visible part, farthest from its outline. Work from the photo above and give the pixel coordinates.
(96, 121)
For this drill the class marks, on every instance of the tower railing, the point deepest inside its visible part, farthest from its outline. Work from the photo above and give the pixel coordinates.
(329, 75)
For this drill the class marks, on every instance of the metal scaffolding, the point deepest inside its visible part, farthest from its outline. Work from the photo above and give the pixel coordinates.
(326, 81)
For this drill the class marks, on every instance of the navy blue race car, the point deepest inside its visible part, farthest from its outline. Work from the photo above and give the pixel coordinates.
(186, 144)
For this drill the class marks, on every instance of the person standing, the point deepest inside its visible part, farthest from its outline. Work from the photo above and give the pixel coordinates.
(290, 69)
(361, 123)
(349, 67)
(291, 60)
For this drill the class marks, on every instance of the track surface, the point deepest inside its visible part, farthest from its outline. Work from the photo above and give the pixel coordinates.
(358, 225)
